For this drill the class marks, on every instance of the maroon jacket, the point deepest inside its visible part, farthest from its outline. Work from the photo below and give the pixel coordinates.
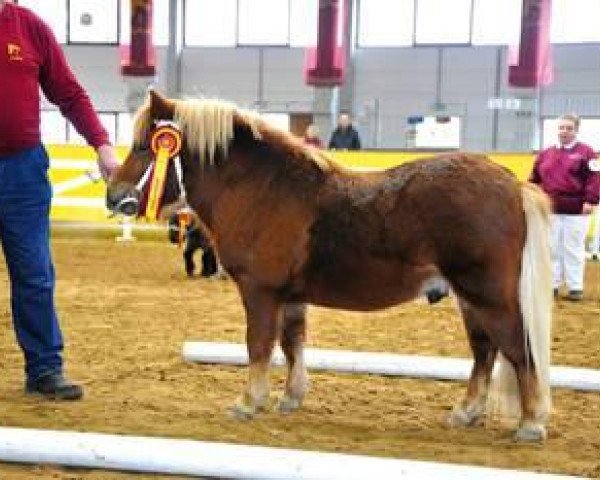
(565, 174)
(31, 57)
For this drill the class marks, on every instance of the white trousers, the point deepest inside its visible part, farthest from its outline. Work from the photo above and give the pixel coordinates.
(568, 249)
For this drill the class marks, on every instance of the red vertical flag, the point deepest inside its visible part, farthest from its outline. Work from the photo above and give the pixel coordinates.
(137, 58)
(325, 64)
(533, 65)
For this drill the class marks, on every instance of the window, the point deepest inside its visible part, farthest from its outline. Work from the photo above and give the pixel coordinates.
(210, 24)
(91, 21)
(277, 120)
(304, 16)
(589, 132)
(575, 21)
(73, 137)
(263, 22)
(443, 21)
(108, 120)
(438, 132)
(124, 128)
(497, 23)
(53, 12)
(228, 23)
(386, 23)
(340, 24)
(160, 22)
(53, 127)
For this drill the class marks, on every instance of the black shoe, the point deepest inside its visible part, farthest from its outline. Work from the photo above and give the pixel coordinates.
(54, 386)
(575, 295)
(436, 294)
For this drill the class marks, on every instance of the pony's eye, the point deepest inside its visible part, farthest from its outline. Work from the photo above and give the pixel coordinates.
(143, 149)
(143, 153)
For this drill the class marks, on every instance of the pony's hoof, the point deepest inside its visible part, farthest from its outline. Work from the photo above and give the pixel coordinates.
(461, 417)
(288, 404)
(242, 412)
(531, 433)
(220, 275)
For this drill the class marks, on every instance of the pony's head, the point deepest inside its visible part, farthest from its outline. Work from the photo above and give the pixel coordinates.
(206, 126)
(129, 184)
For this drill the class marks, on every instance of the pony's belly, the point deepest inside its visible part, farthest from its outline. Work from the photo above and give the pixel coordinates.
(363, 304)
(366, 294)
(366, 283)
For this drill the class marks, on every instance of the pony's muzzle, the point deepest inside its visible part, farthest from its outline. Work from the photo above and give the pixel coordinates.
(122, 200)
(128, 206)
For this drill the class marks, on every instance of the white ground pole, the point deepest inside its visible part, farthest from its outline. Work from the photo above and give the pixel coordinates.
(442, 368)
(222, 460)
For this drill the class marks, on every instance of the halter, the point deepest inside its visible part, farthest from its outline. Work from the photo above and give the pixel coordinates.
(165, 144)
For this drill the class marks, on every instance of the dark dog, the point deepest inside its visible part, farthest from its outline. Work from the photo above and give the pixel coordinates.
(195, 239)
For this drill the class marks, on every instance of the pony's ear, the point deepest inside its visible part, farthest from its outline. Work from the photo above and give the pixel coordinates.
(161, 108)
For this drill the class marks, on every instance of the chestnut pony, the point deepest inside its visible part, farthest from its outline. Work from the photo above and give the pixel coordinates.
(292, 228)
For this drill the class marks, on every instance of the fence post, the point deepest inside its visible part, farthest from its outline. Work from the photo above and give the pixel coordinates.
(126, 230)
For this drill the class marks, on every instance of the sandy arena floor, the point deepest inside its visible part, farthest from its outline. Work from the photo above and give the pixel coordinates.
(126, 310)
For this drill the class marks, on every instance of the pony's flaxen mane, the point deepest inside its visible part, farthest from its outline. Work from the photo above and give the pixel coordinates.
(208, 125)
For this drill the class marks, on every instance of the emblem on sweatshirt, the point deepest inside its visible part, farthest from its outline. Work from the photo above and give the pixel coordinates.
(14, 52)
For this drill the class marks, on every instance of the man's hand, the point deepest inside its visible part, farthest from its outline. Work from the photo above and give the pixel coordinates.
(587, 208)
(107, 161)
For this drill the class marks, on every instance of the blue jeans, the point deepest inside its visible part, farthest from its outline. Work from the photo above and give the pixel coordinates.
(25, 195)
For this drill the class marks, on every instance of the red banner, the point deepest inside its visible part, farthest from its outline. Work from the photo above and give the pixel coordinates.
(533, 65)
(137, 58)
(325, 64)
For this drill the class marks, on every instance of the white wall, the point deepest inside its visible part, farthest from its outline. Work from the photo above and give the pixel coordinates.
(389, 84)
(98, 69)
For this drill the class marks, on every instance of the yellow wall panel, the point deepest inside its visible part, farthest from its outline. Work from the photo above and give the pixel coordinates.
(519, 163)
(78, 199)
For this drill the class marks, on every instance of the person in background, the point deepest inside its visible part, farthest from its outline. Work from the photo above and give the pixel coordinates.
(568, 173)
(345, 136)
(311, 136)
(30, 58)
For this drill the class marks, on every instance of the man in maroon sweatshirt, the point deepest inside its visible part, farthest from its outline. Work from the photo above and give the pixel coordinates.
(30, 58)
(568, 173)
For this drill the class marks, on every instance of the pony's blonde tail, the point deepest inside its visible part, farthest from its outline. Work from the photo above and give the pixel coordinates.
(535, 298)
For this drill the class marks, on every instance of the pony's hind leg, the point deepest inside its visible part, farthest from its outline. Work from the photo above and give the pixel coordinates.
(515, 391)
(472, 407)
(534, 408)
(293, 335)
(262, 311)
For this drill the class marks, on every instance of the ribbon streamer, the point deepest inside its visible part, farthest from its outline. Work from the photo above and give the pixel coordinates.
(165, 144)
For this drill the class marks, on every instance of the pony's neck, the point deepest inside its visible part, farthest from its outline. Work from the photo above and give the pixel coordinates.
(205, 185)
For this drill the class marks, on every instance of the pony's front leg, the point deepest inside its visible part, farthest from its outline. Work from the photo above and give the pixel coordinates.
(262, 311)
(293, 335)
